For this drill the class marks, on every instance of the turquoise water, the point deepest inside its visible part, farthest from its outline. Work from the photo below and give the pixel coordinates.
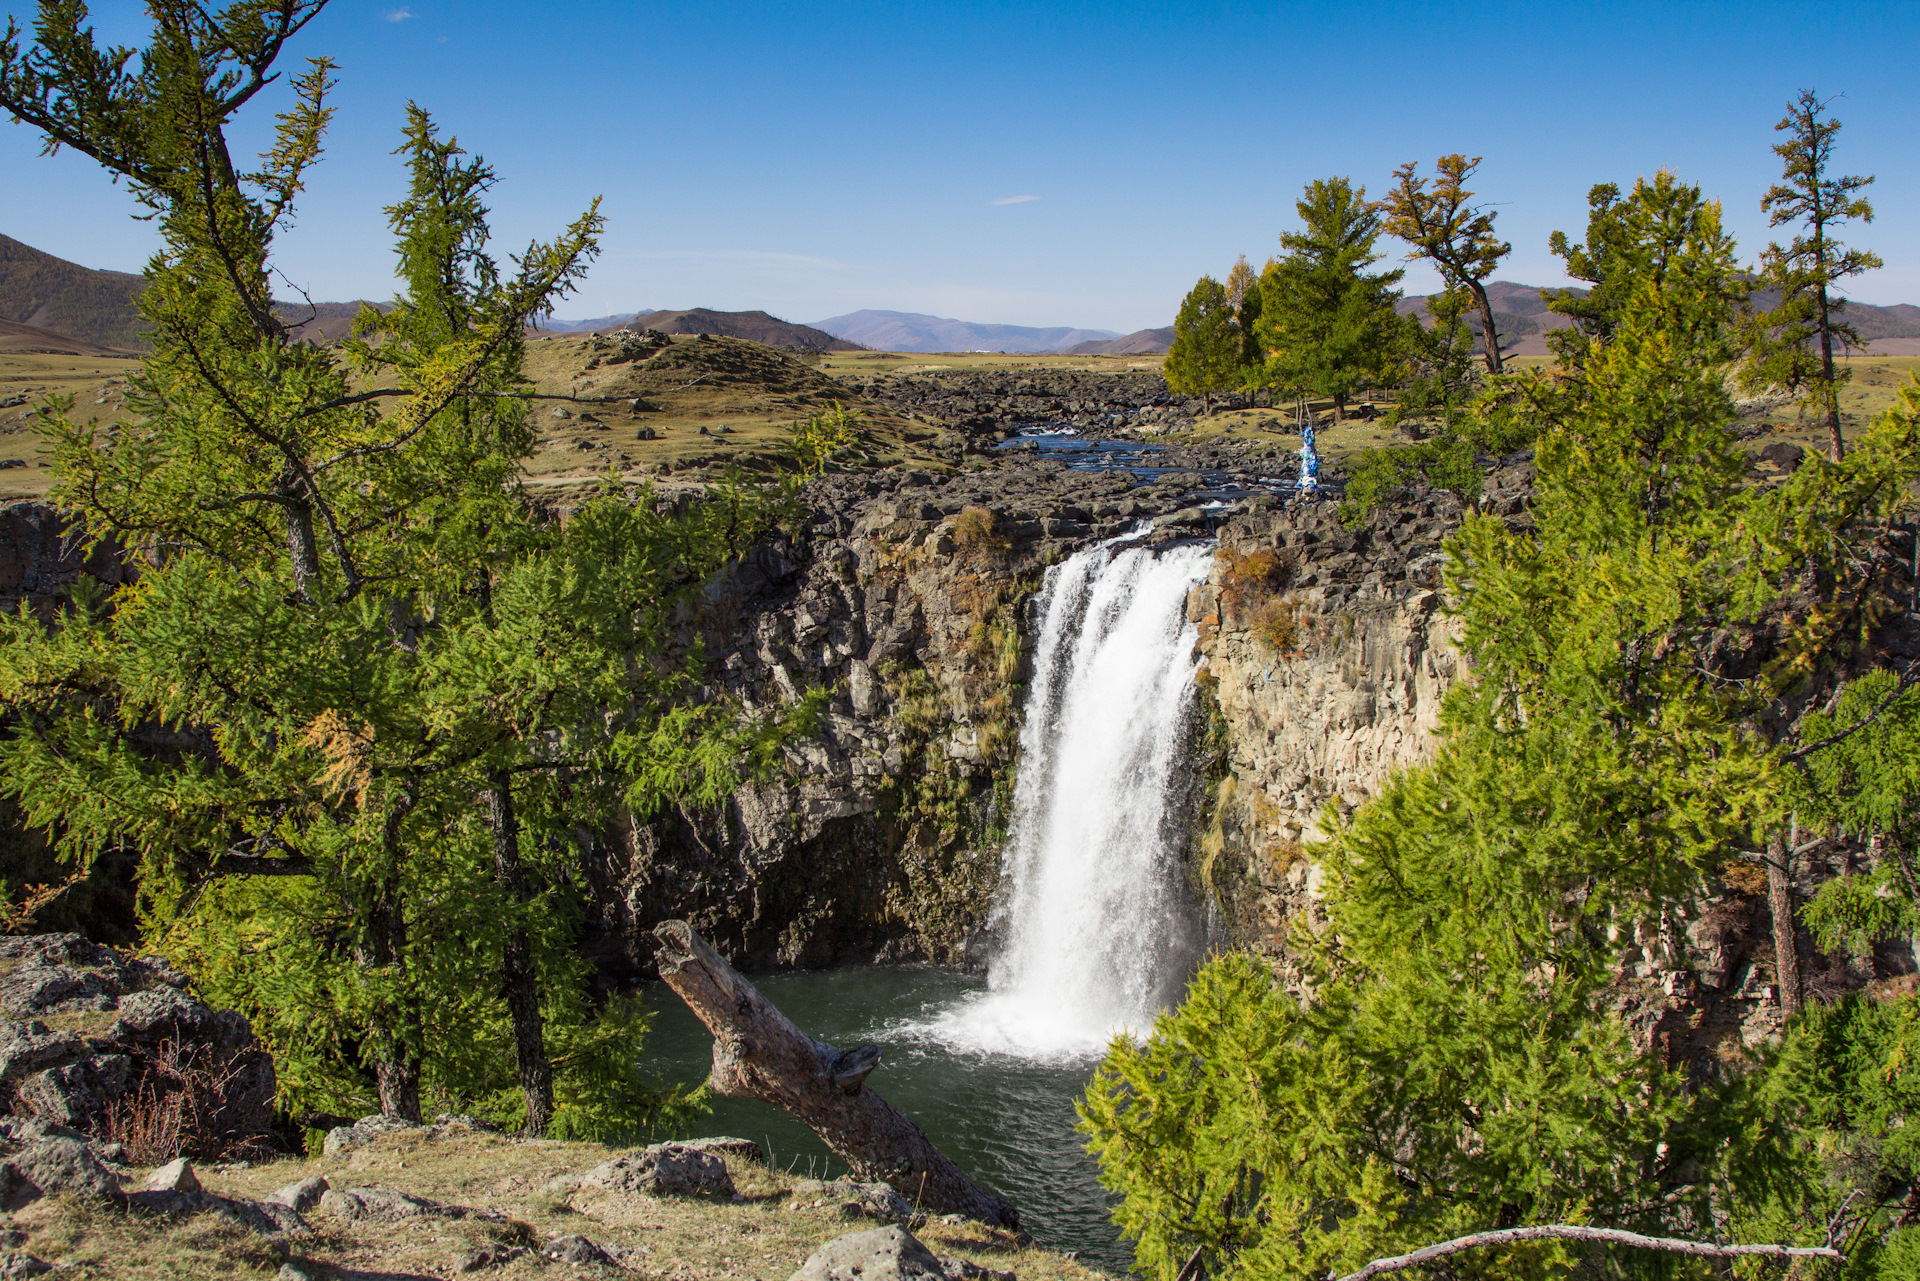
(1007, 1121)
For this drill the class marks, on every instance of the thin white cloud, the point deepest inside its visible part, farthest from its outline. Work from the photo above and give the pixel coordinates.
(1014, 200)
(399, 15)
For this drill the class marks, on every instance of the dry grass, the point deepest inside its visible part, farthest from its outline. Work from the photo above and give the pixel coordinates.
(191, 1102)
(974, 530)
(763, 1235)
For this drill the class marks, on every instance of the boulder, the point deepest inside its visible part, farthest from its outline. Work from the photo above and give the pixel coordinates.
(881, 1254)
(888, 1254)
(490, 1256)
(389, 1205)
(302, 1196)
(175, 1176)
(874, 1200)
(121, 1022)
(577, 1249)
(54, 1166)
(18, 1263)
(345, 1138)
(665, 1169)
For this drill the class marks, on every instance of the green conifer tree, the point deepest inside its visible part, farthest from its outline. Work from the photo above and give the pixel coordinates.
(1660, 225)
(350, 620)
(1329, 324)
(1455, 236)
(1205, 355)
(1454, 1063)
(1791, 345)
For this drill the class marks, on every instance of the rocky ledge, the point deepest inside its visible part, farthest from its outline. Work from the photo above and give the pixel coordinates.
(107, 1046)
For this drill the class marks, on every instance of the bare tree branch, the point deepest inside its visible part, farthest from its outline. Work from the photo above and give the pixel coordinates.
(1599, 1236)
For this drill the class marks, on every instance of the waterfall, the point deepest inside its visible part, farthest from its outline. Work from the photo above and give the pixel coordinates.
(1096, 932)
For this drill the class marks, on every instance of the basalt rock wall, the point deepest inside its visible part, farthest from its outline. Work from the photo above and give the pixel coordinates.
(905, 604)
(994, 402)
(1328, 652)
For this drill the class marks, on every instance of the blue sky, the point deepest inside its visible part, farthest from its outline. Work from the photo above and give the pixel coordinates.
(815, 159)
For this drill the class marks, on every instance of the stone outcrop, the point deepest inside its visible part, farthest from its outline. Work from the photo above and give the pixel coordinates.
(888, 1254)
(993, 402)
(1328, 651)
(663, 1169)
(95, 1042)
(903, 603)
(1326, 655)
(43, 555)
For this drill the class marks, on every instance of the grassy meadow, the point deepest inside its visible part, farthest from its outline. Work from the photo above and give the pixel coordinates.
(706, 403)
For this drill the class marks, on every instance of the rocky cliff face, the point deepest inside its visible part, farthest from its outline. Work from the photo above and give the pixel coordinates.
(1328, 652)
(905, 602)
(1327, 655)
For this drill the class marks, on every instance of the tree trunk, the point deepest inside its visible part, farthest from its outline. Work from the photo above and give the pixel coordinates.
(1489, 335)
(759, 1054)
(302, 548)
(396, 1063)
(1836, 447)
(397, 1032)
(1786, 954)
(517, 972)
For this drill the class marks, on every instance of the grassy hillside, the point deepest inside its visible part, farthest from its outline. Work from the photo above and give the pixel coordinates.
(754, 326)
(46, 292)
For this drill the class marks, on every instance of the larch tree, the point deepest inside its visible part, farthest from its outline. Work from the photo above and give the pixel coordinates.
(1446, 229)
(1791, 344)
(1205, 356)
(1328, 323)
(1659, 227)
(362, 694)
(1459, 1063)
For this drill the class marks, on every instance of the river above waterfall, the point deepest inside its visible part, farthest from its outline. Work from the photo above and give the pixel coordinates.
(1007, 1121)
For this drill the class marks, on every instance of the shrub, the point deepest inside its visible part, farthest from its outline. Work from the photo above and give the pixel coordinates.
(974, 530)
(192, 1101)
(1280, 628)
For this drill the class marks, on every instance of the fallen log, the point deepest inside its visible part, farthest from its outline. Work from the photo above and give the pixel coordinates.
(759, 1054)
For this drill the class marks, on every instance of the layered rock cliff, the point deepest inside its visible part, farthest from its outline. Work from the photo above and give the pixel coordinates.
(905, 602)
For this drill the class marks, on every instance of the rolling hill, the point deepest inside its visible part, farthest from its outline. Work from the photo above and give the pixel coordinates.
(1141, 342)
(754, 326)
(50, 293)
(911, 331)
(29, 339)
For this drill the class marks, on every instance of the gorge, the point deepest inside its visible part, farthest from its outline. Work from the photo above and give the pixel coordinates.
(1007, 654)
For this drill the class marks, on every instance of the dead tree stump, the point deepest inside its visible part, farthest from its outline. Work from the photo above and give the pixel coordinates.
(759, 1054)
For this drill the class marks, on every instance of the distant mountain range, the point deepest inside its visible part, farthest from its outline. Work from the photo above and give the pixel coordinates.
(75, 305)
(911, 331)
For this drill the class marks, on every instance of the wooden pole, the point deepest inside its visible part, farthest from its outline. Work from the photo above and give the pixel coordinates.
(759, 1054)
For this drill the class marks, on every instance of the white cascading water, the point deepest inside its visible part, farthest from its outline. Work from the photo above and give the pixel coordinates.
(1096, 935)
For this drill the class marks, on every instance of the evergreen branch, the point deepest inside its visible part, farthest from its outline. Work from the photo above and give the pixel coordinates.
(1906, 682)
(1598, 1236)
